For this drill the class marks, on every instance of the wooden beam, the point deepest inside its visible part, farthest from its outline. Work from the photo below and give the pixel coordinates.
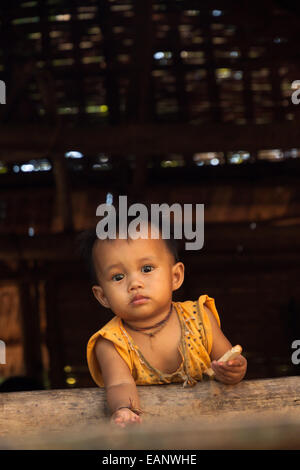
(145, 139)
(63, 193)
(265, 242)
(257, 414)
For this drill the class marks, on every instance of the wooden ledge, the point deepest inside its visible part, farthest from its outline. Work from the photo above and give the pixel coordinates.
(253, 414)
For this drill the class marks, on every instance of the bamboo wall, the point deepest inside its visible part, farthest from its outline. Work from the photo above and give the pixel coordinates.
(252, 271)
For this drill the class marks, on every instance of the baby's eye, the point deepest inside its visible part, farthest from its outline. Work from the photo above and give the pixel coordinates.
(117, 277)
(147, 268)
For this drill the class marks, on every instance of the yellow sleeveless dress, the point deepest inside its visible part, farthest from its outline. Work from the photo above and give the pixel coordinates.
(195, 346)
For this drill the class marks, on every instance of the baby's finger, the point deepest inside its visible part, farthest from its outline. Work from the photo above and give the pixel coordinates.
(119, 420)
(219, 371)
(235, 363)
(221, 366)
(227, 366)
(230, 370)
(225, 378)
(134, 421)
(134, 418)
(239, 361)
(223, 370)
(119, 423)
(220, 376)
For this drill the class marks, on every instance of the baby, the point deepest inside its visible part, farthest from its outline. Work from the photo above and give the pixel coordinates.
(151, 339)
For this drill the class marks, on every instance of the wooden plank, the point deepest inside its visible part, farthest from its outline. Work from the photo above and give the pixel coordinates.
(264, 431)
(252, 414)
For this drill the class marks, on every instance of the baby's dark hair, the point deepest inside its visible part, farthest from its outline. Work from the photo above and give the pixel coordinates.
(86, 240)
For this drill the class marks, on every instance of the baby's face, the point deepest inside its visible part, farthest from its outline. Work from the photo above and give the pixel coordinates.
(136, 277)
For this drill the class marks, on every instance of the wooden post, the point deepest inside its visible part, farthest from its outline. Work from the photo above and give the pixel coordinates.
(139, 105)
(63, 195)
(54, 339)
(213, 88)
(244, 40)
(182, 99)
(76, 30)
(30, 321)
(278, 109)
(112, 85)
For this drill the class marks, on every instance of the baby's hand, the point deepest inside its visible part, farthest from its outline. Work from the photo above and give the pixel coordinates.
(125, 416)
(230, 372)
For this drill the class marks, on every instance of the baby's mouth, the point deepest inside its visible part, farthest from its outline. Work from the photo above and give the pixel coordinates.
(139, 299)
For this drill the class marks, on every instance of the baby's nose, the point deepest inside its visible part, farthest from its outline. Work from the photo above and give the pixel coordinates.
(135, 282)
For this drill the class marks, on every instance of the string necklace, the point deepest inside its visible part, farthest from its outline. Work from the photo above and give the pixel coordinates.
(158, 326)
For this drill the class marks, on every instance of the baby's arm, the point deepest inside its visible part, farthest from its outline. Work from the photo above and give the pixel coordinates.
(232, 371)
(121, 391)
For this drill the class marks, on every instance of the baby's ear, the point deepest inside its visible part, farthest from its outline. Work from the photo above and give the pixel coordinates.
(177, 275)
(99, 294)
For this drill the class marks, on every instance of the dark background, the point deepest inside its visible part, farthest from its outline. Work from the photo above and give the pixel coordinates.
(163, 101)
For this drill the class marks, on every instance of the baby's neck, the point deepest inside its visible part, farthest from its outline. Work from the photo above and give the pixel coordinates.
(153, 328)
